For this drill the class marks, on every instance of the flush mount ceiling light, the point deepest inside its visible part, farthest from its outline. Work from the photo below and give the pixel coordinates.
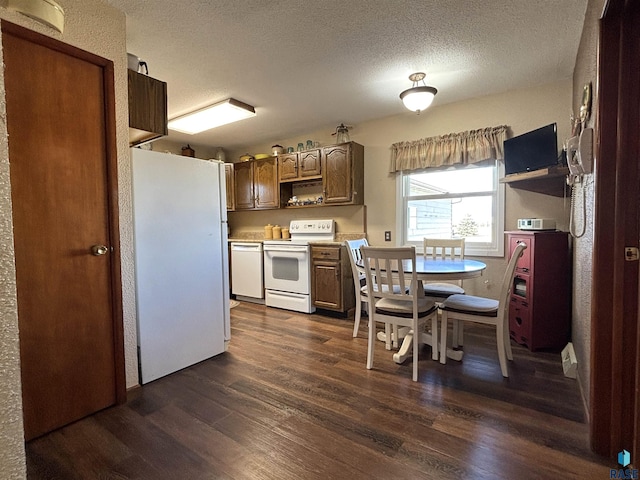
(418, 98)
(44, 11)
(227, 111)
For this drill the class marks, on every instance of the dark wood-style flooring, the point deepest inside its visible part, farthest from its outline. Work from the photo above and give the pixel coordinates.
(292, 399)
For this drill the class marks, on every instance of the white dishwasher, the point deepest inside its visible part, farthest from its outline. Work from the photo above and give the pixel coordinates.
(247, 277)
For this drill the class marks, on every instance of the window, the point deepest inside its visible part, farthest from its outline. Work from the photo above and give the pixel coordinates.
(452, 203)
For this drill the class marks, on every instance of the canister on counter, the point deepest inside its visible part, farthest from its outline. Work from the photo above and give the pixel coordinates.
(268, 232)
(285, 233)
(277, 231)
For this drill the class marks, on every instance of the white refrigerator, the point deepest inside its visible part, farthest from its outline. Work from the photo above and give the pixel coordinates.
(181, 261)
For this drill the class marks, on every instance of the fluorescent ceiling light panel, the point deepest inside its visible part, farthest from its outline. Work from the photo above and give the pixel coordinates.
(227, 111)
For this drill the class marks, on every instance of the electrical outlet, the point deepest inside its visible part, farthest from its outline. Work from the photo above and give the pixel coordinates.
(387, 236)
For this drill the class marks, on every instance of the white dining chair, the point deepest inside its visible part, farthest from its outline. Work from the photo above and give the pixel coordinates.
(443, 248)
(359, 278)
(360, 286)
(390, 302)
(469, 308)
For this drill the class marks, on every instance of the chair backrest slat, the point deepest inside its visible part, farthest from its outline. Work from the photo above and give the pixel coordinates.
(443, 247)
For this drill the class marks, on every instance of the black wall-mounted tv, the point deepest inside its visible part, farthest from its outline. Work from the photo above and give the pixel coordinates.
(532, 150)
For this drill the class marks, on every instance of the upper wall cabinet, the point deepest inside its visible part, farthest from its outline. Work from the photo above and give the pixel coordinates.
(299, 165)
(331, 175)
(256, 184)
(147, 108)
(343, 174)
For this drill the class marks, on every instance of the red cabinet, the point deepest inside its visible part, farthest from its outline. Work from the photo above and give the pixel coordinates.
(540, 301)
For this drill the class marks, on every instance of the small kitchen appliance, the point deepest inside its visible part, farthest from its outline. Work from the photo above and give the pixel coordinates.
(536, 224)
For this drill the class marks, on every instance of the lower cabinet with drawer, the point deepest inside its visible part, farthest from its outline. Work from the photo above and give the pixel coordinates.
(331, 278)
(540, 301)
(520, 320)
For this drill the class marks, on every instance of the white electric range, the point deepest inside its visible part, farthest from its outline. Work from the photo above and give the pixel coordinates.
(287, 265)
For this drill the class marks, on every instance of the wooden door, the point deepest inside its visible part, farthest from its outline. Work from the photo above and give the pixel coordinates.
(266, 183)
(243, 173)
(337, 181)
(615, 334)
(310, 165)
(60, 120)
(288, 166)
(326, 278)
(327, 289)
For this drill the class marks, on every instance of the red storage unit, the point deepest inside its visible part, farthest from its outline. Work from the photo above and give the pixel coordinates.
(540, 302)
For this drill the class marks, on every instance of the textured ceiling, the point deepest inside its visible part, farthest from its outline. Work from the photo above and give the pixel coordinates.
(308, 65)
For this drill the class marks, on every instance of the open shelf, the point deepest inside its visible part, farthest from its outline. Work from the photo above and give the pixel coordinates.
(549, 181)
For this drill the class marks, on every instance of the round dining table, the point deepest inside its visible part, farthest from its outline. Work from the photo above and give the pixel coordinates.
(430, 269)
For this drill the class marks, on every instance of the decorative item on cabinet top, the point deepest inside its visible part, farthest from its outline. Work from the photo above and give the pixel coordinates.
(188, 151)
(342, 133)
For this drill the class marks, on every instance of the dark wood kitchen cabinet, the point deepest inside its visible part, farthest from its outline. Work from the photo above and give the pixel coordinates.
(300, 165)
(243, 173)
(331, 280)
(343, 174)
(540, 301)
(256, 184)
(230, 183)
(147, 108)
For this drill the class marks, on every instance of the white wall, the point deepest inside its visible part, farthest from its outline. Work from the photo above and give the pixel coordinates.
(523, 110)
(585, 71)
(96, 27)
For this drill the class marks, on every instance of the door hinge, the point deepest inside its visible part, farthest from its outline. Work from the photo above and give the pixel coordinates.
(631, 254)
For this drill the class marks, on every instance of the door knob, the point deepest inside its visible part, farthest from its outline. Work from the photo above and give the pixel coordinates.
(98, 250)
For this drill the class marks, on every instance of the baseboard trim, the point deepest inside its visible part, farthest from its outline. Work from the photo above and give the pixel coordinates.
(585, 403)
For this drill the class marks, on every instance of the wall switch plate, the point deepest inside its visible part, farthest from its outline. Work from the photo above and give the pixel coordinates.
(387, 236)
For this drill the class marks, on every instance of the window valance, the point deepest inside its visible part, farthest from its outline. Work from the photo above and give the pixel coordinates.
(468, 147)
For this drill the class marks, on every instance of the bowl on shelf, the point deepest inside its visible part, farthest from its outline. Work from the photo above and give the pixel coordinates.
(259, 156)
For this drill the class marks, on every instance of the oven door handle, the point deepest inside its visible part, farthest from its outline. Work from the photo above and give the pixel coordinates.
(288, 248)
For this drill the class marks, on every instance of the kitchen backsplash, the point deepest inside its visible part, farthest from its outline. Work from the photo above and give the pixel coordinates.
(255, 236)
(350, 220)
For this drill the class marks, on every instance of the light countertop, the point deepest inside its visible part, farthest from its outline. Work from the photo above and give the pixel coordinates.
(258, 237)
